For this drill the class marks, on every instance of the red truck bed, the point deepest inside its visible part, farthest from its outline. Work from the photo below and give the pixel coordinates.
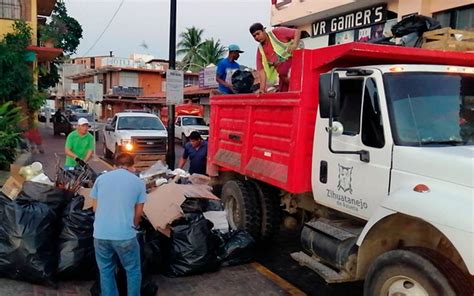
(269, 137)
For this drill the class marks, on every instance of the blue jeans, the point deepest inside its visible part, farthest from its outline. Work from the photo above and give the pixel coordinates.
(128, 252)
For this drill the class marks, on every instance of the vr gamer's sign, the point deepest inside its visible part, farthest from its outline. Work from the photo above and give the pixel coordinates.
(352, 20)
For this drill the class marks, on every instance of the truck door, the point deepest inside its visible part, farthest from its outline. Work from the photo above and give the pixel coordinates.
(177, 128)
(109, 134)
(343, 181)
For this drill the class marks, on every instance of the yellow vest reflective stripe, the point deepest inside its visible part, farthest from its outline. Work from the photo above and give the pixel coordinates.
(280, 49)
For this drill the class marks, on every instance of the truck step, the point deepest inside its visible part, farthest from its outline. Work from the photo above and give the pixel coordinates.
(327, 273)
(339, 229)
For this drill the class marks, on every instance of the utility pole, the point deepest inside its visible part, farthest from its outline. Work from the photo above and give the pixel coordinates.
(172, 65)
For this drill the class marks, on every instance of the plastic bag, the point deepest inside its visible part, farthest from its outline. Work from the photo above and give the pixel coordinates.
(28, 236)
(234, 248)
(242, 81)
(192, 246)
(156, 169)
(415, 23)
(76, 243)
(55, 198)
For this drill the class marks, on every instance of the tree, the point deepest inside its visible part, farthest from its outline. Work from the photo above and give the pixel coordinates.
(211, 52)
(16, 76)
(66, 33)
(189, 46)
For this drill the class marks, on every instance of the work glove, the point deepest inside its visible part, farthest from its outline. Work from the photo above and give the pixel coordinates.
(80, 162)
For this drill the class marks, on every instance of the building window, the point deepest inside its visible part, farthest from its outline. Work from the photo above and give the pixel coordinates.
(10, 9)
(461, 18)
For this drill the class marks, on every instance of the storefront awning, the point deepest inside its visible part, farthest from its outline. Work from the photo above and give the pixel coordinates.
(45, 54)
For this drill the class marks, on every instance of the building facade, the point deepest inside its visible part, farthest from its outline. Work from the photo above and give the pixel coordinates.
(339, 21)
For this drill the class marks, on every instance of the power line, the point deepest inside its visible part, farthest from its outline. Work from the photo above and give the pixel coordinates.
(105, 29)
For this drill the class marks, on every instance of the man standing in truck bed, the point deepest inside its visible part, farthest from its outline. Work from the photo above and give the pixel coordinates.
(274, 55)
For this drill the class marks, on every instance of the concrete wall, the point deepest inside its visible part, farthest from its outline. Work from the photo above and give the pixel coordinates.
(150, 82)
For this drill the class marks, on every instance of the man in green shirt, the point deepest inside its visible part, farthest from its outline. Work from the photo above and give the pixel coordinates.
(79, 144)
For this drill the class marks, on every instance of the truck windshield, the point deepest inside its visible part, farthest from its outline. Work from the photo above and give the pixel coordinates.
(431, 109)
(140, 123)
(193, 121)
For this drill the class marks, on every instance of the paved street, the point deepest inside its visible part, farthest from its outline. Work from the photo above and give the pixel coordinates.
(274, 273)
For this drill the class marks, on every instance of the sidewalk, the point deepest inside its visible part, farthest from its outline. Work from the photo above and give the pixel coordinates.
(246, 279)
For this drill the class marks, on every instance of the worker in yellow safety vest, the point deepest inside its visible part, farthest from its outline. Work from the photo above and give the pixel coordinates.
(274, 55)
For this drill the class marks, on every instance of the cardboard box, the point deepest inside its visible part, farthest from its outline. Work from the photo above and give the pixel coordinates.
(163, 205)
(88, 201)
(14, 183)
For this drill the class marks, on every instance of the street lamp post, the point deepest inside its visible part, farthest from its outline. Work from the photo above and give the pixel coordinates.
(172, 65)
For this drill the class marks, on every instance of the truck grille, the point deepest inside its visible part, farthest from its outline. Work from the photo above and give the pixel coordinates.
(149, 145)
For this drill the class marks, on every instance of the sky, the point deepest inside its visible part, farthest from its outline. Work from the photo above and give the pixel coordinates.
(147, 21)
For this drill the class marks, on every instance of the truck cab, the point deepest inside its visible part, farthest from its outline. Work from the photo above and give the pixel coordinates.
(186, 124)
(372, 148)
(136, 133)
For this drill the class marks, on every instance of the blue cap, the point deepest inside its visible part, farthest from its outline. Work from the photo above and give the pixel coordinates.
(235, 47)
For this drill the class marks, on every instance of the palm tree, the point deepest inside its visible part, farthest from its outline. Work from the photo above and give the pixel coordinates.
(189, 45)
(211, 52)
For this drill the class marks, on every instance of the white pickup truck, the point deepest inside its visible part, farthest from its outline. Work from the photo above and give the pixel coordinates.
(186, 124)
(135, 133)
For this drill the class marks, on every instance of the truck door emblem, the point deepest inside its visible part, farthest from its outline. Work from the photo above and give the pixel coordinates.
(345, 179)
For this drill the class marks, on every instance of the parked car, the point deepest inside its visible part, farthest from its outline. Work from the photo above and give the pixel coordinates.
(66, 124)
(186, 124)
(135, 133)
(42, 114)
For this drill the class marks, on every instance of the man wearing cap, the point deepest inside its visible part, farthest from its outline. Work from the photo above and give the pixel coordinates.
(79, 144)
(226, 67)
(274, 55)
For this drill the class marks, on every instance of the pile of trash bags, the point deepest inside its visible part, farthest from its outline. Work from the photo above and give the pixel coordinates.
(46, 235)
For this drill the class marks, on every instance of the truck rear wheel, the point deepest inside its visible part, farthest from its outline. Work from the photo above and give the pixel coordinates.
(241, 204)
(270, 210)
(415, 271)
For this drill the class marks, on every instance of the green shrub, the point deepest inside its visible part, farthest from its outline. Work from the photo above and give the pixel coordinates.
(10, 133)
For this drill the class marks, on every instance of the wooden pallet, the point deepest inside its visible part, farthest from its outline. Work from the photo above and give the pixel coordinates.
(449, 39)
(142, 162)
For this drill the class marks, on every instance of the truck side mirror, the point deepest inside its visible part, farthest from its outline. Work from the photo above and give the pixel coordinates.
(109, 128)
(326, 94)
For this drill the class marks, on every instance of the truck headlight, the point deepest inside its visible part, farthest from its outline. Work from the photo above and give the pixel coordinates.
(124, 142)
(129, 147)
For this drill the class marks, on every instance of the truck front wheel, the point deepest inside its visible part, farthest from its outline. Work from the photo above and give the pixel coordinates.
(241, 204)
(414, 271)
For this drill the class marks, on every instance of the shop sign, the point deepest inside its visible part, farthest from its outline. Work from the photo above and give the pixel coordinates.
(352, 20)
(207, 77)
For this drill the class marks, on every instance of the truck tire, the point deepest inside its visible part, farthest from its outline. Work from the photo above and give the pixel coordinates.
(270, 210)
(415, 271)
(241, 204)
(107, 152)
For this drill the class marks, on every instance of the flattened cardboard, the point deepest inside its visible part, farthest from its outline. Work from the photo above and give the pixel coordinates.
(163, 205)
(88, 201)
(14, 183)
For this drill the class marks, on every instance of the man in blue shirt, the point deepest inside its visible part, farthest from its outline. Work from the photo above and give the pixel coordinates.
(225, 69)
(196, 150)
(118, 196)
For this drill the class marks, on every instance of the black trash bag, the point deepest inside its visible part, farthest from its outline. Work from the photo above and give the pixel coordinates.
(234, 248)
(193, 248)
(76, 242)
(242, 81)
(415, 24)
(28, 240)
(55, 198)
(152, 248)
(148, 286)
(199, 205)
